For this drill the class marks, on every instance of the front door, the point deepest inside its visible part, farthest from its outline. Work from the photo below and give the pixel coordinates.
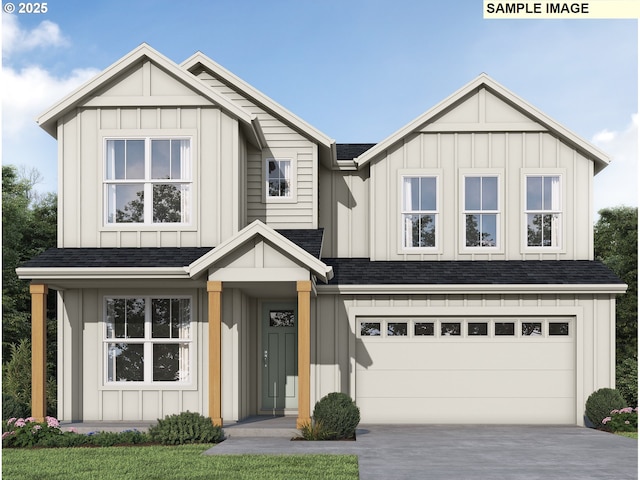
(279, 356)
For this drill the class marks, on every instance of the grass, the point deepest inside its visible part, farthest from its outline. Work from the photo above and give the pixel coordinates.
(159, 462)
(628, 434)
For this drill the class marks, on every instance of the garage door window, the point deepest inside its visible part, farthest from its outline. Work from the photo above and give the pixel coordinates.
(558, 328)
(370, 329)
(407, 328)
(423, 329)
(504, 329)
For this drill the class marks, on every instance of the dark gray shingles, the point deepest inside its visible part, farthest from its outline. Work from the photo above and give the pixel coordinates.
(349, 151)
(362, 271)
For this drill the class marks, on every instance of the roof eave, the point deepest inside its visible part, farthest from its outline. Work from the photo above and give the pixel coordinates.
(614, 288)
(100, 273)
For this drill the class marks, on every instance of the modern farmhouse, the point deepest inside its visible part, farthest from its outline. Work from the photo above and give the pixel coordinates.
(218, 254)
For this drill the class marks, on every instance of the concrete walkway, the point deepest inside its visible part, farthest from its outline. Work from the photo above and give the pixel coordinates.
(467, 452)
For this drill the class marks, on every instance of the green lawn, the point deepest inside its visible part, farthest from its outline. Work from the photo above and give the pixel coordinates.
(157, 462)
(628, 434)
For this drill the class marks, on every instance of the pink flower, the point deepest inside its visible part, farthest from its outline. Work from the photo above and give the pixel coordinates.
(73, 430)
(6, 434)
(52, 422)
(36, 428)
(20, 422)
(615, 411)
(605, 420)
(11, 420)
(626, 410)
(29, 419)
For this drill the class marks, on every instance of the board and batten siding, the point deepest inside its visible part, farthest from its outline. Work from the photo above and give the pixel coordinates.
(119, 111)
(282, 142)
(490, 137)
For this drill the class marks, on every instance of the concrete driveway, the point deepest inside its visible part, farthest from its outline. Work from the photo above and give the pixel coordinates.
(468, 452)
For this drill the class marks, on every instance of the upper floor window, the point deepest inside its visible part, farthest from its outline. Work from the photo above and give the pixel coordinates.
(148, 180)
(147, 339)
(419, 211)
(543, 210)
(481, 211)
(279, 178)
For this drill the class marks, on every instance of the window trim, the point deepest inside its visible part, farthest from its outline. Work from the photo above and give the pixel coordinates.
(293, 198)
(438, 212)
(483, 172)
(562, 211)
(148, 342)
(148, 182)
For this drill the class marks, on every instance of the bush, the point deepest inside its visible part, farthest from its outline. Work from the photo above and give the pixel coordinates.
(600, 404)
(184, 428)
(338, 415)
(27, 432)
(627, 380)
(13, 408)
(624, 420)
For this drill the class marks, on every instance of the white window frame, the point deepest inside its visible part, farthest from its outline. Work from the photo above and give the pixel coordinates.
(421, 173)
(479, 173)
(558, 211)
(148, 182)
(148, 342)
(292, 197)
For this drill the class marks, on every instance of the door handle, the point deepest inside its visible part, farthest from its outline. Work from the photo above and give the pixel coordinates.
(266, 357)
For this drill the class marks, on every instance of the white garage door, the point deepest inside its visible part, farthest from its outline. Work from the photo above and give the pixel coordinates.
(466, 370)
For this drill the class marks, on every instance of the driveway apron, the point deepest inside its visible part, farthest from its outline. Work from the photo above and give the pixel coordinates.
(467, 452)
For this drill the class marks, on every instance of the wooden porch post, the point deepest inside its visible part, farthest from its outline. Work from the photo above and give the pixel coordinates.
(38, 351)
(304, 353)
(214, 289)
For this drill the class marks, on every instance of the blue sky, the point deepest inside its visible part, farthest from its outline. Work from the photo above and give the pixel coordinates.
(357, 70)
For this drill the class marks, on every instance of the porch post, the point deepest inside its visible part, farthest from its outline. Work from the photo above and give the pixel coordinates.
(38, 351)
(214, 289)
(304, 353)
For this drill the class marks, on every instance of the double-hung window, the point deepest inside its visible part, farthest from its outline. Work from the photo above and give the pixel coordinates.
(419, 211)
(279, 178)
(148, 181)
(481, 211)
(148, 339)
(543, 212)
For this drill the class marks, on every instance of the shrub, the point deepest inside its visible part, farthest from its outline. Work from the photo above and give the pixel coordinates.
(338, 415)
(14, 408)
(627, 380)
(187, 427)
(623, 420)
(27, 432)
(601, 402)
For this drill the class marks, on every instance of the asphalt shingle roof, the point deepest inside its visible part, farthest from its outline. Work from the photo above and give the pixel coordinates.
(309, 240)
(349, 151)
(362, 271)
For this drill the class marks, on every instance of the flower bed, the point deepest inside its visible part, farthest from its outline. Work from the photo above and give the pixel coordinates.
(623, 420)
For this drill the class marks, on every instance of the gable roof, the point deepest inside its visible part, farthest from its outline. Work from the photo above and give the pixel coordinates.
(200, 60)
(600, 159)
(48, 119)
(279, 241)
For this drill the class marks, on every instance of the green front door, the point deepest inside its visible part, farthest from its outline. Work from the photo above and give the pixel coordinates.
(279, 357)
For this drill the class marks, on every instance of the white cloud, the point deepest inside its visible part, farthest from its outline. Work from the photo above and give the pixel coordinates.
(618, 183)
(16, 39)
(28, 92)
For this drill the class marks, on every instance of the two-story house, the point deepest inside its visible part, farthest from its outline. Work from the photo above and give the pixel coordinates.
(218, 254)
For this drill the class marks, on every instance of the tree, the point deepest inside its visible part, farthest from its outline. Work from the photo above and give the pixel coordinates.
(616, 245)
(29, 227)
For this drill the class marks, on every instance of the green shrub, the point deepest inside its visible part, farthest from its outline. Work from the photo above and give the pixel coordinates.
(627, 380)
(338, 415)
(14, 408)
(600, 404)
(27, 432)
(623, 420)
(187, 427)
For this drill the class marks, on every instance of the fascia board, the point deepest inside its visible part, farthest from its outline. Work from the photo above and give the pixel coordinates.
(484, 80)
(46, 119)
(616, 288)
(87, 273)
(258, 97)
(318, 267)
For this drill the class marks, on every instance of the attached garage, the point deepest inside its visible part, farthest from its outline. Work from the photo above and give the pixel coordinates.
(473, 370)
